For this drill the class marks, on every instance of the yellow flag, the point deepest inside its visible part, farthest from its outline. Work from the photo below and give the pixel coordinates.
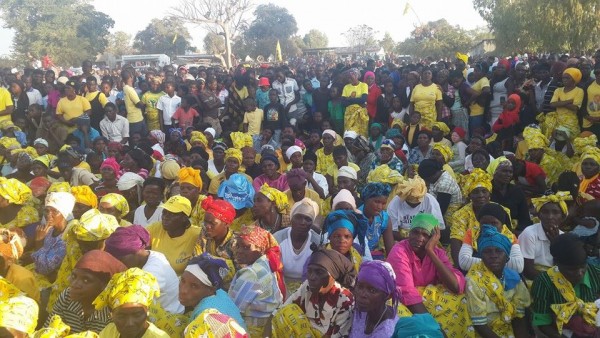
(406, 8)
(278, 52)
(175, 38)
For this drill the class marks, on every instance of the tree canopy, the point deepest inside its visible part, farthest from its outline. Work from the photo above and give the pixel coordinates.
(163, 36)
(361, 37)
(436, 39)
(69, 30)
(119, 43)
(315, 39)
(271, 23)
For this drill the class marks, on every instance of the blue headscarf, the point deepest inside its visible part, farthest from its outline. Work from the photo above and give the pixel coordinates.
(237, 191)
(418, 325)
(215, 268)
(355, 222)
(490, 237)
(372, 190)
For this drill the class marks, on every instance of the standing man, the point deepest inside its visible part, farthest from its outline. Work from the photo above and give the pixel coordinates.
(133, 105)
(289, 93)
(6, 104)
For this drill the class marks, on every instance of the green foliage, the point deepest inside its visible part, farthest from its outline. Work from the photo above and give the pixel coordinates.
(436, 39)
(163, 36)
(68, 30)
(271, 23)
(361, 37)
(214, 43)
(387, 43)
(119, 43)
(315, 39)
(552, 25)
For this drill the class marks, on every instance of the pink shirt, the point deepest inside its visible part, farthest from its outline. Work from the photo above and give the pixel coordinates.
(280, 184)
(412, 272)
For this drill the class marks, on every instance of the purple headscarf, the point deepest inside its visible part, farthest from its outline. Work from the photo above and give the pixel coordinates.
(367, 74)
(127, 240)
(381, 276)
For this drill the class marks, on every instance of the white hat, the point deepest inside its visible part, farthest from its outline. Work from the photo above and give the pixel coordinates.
(350, 134)
(62, 80)
(347, 171)
(211, 131)
(40, 141)
(343, 195)
(61, 201)
(291, 150)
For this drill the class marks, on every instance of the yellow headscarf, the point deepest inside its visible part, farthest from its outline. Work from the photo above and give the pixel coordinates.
(412, 190)
(56, 329)
(441, 126)
(8, 290)
(463, 57)
(444, 150)
(574, 73)
(241, 140)
(535, 139)
(198, 136)
(134, 286)
(30, 151)
(233, 153)
(493, 166)
(476, 179)
(14, 191)
(384, 174)
(191, 176)
(9, 142)
(94, 226)
(169, 169)
(592, 153)
(213, 324)
(84, 334)
(280, 199)
(44, 159)
(84, 195)
(59, 187)
(117, 201)
(581, 143)
(560, 198)
(19, 313)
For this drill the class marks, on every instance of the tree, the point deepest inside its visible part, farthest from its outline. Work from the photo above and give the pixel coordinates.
(272, 24)
(224, 17)
(436, 39)
(69, 30)
(214, 43)
(315, 39)
(387, 43)
(163, 36)
(567, 25)
(119, 43)
(361, 37)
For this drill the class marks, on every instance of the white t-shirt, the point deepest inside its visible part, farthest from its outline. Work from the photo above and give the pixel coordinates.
(401, 214)
(293, 263)
(159, 266)
(321, 181)
(139, 217)
(536, 245)
(34, 96)
(287, 92)
(168, 105)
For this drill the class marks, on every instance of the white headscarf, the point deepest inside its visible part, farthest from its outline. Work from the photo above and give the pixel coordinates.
(61, 201)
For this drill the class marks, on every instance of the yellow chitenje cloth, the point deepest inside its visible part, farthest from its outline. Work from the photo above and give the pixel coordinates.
(291, 320)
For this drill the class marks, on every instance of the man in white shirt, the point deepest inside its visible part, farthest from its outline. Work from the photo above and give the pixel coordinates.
(33, 94)
(289, 93)
(113, 126)
(167, 105)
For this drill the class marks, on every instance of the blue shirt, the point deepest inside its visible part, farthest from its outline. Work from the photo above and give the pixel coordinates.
(376, 228)
(222, 303)
(262, 98)
(92, 135)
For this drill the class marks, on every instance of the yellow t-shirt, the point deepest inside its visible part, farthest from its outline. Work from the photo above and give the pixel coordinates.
(110, 331)
(134, 114)
(71, 109)
(424, 98)
(101, 97)
(5, 101)
(177, 250)
(355, 91)
(333, 171)
(593, 103)
(575, 94)
(476, 109)
(254, 120)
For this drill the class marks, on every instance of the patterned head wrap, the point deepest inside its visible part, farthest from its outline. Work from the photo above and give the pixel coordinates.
(221, 209)
(241, 140)
(306, 207)
(14, 191)
(477, 179)
(338, 266)
(442, 127)
(256, 235)
(129, 180)
(428, 222)
(384, 174)
(233, 153)
(19, 313)
(94, 226)
(59, 187)
(84, 195)
(280, 199)
(39, 186)
(498, 163)
(591, 153)
(9, 142)
(535, 139)
(412, 190)
(355, 222)
(8, 290)
(444, 150)
(57, 328)
(198, 136)
(11, 244)
(372, 190)
(574, 73)
(116, 201)
(191, 176)
(295, 177)
(208, 269)
(237, 191)
(127, 240)
(381, 276)
(560, 197)
(490, 237)
(159, 136)
(112, 164)
(134, 286)
(581, 143)
(61, 201)
(213, 324)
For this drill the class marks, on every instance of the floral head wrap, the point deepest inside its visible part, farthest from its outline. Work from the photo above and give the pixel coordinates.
(117, 201)
(213, 324)
(241, 140)
(280, 199)
(94, 226)
(14, 191)
(19, 313)
(535, 139)
(134, 286)
(444, 150)
(191, 176)
(56, 328)
(384, 174)
(59, 187)
(233, 153)
(372, 190)
(220, 209)
(582, 142)
(476, 179)
(560, 197)
(412, 190)
(84, 195)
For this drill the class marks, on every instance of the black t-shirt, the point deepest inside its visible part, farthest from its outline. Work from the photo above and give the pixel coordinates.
(274, 116)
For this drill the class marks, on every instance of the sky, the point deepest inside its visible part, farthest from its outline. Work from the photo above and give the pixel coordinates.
(333, 17)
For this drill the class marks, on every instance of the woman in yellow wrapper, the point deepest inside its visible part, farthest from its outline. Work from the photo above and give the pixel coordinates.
(85, 200)
(566, 100)
(564, 295)
(428, 281)
(589, 188)
(14, 210)
(213, 324)
(496, 296)
(354, 99)
(117, 206)
(325, 154)
(540, 154)
(129, 294)
(426, 98)
(18, 316)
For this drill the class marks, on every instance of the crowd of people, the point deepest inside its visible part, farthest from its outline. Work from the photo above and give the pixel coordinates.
(435, 199)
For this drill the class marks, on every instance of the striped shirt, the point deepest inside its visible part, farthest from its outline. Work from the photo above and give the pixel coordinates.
(71, 312)
(544, 294)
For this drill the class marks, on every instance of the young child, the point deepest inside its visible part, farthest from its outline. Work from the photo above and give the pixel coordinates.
(275, 116)
(253, 117)
(412, 130)
(508, 119)
(262, 94)
(459, 149)
(336, 110)
(185, 116)
(97, 101)
(398, 115)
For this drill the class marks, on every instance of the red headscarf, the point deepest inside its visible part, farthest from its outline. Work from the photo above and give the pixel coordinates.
(221, 209)
(39, 186)
(111, 163)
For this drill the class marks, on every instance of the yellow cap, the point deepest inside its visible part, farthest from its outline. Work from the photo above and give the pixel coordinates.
(177, 204)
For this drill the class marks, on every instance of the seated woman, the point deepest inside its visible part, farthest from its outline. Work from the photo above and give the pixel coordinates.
(442, 186)
(375, 285)
(589, 188)
(201, 288)
(136, 161)
(342, 228)
(19, 316)
(270, 209)
(210, 321)
(443, 154)
(14, 209)
(494, 215)
(89, 277)
(423, 148)
(427, 279)
(85, 200)
(12, 242)
(380, 237)
(240, 193)
(564, 295)
(117, 206)
(323, 305)
(127, 298)
(296, 240)
(257, 287)
(388, 157)
(271, 175)
(535, 239)
(496, 296)
(110, 171)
